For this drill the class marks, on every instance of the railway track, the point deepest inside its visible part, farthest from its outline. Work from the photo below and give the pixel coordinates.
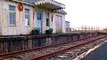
(43, 53)
(80, 52)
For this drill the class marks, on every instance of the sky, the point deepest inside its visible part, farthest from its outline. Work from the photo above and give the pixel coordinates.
(86, 12)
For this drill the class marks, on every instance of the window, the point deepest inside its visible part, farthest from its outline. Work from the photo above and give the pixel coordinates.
(12, 15)
(27, 17)
(39, 15)
(47, 19)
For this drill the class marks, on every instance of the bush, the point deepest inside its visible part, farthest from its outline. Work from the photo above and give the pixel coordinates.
(35, 31)
(49, 31)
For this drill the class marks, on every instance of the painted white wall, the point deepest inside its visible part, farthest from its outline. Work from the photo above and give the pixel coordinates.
(20, 27)
(0, 17)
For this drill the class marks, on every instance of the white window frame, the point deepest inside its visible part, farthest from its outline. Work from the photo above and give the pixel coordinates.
(27, 22)
(10, 11)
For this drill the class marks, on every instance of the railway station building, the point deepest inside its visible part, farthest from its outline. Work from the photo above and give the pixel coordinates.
(22, 16)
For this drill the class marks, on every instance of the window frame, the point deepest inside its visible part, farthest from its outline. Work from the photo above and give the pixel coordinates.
(47, 19)
(27, 23)
(12, 11)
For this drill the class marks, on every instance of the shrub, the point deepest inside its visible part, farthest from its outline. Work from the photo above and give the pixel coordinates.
(35, 31)
(49, 31)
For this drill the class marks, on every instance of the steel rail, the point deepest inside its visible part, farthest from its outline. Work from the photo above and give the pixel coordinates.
(44, 57)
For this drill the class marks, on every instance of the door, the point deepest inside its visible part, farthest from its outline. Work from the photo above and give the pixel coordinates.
(39, 21)
(59, 24)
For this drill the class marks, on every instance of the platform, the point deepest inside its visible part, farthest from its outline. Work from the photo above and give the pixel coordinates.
(99, 54)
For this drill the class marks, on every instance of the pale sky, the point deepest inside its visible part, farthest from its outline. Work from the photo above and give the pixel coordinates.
(86, 12)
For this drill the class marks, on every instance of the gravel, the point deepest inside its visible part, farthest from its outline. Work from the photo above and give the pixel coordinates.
(72, 54)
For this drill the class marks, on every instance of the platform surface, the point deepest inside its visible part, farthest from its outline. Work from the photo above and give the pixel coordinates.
(99, 54)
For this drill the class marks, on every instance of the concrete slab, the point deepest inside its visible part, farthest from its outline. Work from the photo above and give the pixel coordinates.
(98, 54)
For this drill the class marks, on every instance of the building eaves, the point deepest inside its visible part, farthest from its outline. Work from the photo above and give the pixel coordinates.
(61, 12)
